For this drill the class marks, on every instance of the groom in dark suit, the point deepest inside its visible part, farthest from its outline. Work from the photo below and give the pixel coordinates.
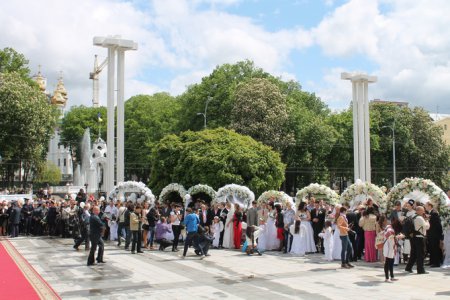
(318, 221)
(223, 218)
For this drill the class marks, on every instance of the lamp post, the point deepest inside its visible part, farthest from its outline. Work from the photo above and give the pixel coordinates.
(206, 109)
(393, 152)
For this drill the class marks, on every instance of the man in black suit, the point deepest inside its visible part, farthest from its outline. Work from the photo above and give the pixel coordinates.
(205, 216)
(97, 228)
(14, 219)
(434, 237)
(318, 221)
(27, 213)
(223, 217)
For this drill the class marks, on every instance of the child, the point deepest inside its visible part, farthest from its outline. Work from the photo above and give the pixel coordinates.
(113, 228)
(217, 228)
(327, 236)
(299, 238)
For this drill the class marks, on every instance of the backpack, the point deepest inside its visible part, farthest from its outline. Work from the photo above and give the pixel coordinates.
(408, 228)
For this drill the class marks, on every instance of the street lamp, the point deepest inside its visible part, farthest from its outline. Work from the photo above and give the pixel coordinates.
(206, 109)
(393, 151)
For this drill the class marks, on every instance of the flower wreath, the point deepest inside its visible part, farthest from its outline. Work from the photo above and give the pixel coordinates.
(241, 194)
(437, 196)
(146, 193)
(318, 189)
(365, 190)
(202, 188)
(278, 195)
(173, 187)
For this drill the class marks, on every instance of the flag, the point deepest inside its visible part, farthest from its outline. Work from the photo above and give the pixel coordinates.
(99, 117)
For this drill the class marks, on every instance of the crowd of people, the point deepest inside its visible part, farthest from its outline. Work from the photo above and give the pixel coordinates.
(408, 235)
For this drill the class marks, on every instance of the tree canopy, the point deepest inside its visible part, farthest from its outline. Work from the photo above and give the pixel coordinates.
(27, 124)
(215, 157)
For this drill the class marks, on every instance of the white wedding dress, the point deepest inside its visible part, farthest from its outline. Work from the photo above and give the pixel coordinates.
(337, 244)
(299, 240)
(446, 263)
(228, 231)
(272, 242)
(310, 245)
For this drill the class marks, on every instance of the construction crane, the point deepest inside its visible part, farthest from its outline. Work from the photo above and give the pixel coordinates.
(94, 76)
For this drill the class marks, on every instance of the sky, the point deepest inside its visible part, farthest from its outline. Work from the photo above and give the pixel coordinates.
(406, 44)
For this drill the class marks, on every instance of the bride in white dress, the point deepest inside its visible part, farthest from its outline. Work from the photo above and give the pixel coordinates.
(228, 231)
(337, 244)
(298, 231)
(305, 217)
(272, 242)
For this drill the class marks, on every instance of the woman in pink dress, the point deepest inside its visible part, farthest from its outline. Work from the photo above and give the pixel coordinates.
(368, 223)
(237, 226)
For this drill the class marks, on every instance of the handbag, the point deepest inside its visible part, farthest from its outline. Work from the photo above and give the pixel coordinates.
(379, 240)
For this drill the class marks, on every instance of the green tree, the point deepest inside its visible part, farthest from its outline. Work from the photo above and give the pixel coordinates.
(219, 86)
(27, 124)
(75, 123)
(12, 61)
(49, 173)
(147, 120)
(260, 111)
(215, 157)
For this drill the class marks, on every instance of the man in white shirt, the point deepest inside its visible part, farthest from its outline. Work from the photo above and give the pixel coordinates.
(421, 225)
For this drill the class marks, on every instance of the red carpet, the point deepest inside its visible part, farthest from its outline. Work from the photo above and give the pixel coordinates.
(18, 279)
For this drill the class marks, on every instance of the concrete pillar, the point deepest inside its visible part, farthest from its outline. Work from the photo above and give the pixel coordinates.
(120, 116)
(361, 124)
(110, 125)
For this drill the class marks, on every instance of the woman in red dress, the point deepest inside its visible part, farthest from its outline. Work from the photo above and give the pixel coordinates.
(237, 226)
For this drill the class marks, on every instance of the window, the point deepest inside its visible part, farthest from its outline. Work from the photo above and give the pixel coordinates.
(64, 162)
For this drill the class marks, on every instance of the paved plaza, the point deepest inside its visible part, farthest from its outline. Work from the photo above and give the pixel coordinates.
(226, 274)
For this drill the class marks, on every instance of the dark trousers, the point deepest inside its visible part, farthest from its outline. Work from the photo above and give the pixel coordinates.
(137, 240)
(191, 237)
(359, 244)
(151, 232)
(417, 254)
(14, 230)
(287, 243)
(128, 237)
(352, 238)
(27, 222)
(346, 251)
(388, 267)
(119, 232)
(96, 241)
(83, 238)
(176, 236)
(221, 238)
(434, 247)
(317, 240)
(163, 243)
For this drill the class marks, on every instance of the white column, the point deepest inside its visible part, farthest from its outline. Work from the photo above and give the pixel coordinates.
(361, 124)
(355, 132)
(367, 131)
(120, 116)
(110, 126)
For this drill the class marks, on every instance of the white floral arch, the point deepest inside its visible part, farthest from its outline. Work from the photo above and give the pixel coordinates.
(359, 192)
(134, 188)
(418, 189)
(234, 193)
(318, 189)
(173, 187)
(279, 196)
(203, 188)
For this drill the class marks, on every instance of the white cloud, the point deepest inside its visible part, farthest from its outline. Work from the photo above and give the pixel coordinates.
(408, 43)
